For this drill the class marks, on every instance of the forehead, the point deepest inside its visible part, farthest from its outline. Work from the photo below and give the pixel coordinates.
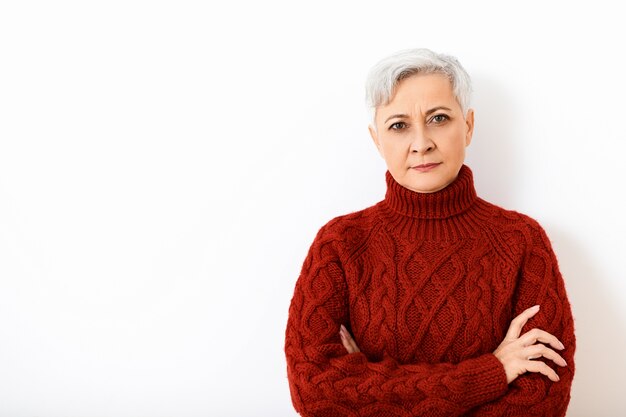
(423, 90)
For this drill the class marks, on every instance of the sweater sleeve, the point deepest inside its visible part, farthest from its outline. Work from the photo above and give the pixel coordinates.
(325, 380)
(533, 394)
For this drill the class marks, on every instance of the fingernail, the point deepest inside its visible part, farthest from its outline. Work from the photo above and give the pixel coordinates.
(342, 328)
(561, 345)
(535, 307)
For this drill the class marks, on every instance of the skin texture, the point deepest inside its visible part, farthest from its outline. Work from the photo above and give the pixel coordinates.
(423, 123)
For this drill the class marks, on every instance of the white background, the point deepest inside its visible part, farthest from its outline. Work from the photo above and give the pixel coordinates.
(165, 165)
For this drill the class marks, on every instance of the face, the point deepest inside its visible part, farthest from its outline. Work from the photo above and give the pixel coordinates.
(422, 133)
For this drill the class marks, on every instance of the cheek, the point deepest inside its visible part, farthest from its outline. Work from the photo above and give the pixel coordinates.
(396, 155)
(456, 141)
(391, 149)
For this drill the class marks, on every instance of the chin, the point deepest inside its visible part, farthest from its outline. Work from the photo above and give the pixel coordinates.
(427, 185)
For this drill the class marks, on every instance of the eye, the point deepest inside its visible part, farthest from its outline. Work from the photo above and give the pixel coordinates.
(397, 126)
(439, 118)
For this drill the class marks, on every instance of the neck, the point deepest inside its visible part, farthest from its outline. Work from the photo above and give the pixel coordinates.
(456, 198)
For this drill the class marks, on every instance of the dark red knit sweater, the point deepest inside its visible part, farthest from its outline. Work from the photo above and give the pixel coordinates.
(427, 284)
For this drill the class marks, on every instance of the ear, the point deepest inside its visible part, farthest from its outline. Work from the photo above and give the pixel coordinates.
(374, 136)
(469, 124)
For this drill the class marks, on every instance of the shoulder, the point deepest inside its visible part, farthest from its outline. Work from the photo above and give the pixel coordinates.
(349, 230)
(519, 230)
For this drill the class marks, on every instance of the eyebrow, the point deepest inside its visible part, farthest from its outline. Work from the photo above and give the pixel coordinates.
(404, 116)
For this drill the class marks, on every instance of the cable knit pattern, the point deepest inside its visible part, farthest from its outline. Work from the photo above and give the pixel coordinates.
(427, 284)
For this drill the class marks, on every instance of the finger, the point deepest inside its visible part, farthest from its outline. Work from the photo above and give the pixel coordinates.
(347, 340)
(346, 344)
(515, 329)
(537, 335)
(352, 342)
(542, 368)
(538, 351)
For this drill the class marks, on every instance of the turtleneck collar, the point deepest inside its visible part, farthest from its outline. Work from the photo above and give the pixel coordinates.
(457, 197)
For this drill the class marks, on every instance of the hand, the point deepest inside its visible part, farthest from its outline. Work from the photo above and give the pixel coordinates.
(347, 340)
(516, 352)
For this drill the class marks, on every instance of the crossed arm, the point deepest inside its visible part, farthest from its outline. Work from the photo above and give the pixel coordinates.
(530, 373)
(516, 352)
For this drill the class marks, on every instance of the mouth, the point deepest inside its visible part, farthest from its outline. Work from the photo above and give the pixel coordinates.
(426, 167)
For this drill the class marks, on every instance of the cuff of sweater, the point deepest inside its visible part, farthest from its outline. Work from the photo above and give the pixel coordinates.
(484, 380)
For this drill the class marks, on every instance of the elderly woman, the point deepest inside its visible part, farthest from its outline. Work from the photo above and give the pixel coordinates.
(432, 302)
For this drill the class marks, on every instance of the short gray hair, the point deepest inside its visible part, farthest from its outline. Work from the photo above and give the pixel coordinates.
(387, 73)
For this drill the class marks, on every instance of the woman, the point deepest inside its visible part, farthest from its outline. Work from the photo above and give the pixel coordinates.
(433, 302)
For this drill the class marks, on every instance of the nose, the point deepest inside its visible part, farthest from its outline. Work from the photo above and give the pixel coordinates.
(422, 144)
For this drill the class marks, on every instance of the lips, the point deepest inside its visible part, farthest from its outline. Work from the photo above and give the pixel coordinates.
(426, 167)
